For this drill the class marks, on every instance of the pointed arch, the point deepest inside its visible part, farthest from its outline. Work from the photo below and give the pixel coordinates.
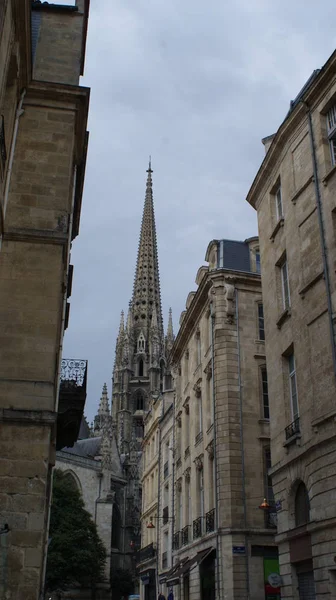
(72, 479)
(140, 367)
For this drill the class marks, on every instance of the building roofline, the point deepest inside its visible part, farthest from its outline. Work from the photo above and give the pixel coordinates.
(308, 95)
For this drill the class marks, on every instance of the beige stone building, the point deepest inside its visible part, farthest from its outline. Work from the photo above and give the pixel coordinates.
(157, 494)
(294, 193)
(222, 543)
(43, 140)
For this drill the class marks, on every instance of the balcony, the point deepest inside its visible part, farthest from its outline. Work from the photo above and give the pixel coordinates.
(166, 469)
(177, 540)
(198, 438)
(293, 429)
(72, 396)
(210, 521)
(186, 453)
(165, 515)
(197, 528)
(145, 553)
(164, 560)
(185, 535)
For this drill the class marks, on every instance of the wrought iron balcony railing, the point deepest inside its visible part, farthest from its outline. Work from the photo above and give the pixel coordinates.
(198, 438)
(186, 452)
(166, 469)
(145, 553)
(177, 540)
(164, 560)
(165, 515)
(72, 396)
(197, 528)
(185, 535)
(210, 521)
(293, 428)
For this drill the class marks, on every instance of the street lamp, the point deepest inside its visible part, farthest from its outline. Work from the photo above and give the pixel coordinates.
(150, 524)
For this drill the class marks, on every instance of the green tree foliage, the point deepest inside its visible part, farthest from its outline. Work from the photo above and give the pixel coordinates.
(76, 555)
(121, 583)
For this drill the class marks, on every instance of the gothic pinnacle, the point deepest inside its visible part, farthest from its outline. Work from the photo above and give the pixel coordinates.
(170, 331)
(104, 408)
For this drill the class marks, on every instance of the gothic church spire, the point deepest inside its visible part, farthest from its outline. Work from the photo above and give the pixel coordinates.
(146, 291)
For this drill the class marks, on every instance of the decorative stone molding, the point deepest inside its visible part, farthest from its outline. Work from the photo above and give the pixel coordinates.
(179, 419)
(186, 405)
(197, 388)
(208, 370)
(187, 474)
(199, 462)
(179, 484)
(211, 450)
(229, 296)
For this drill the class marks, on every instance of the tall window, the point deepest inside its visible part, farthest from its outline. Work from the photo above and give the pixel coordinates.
(261, 326)
(278, 203)
(302, 505)
(264, 384)
(331, 127)
(201, 491)
(199, 355)
(139, 400)
(269, 487)
(141, 367)
(257, 255)
(293, 387)
(285, 285)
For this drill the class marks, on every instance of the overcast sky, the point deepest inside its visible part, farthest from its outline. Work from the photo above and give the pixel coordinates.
(196, 85)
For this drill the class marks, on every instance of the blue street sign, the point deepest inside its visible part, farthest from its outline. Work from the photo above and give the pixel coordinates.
(238, 550)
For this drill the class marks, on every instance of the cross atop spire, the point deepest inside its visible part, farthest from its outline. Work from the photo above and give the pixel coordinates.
(146, 291)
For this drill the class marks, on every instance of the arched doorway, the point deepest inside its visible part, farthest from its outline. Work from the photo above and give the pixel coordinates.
(300, 545)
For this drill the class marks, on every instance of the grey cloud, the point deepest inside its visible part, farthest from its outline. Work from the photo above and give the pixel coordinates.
(197, 86)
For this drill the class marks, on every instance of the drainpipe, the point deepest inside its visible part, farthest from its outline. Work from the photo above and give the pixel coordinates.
(173, 484)
(218, 558)
(322, 235)
(242, 451)
(19, 113)
(159, 499)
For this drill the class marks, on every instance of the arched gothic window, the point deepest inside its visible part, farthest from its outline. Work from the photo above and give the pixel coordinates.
(139, 403)
(141, 368)
(116, 527)
(302, 505)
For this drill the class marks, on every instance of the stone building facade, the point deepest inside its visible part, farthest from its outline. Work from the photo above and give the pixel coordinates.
(157, 494)
(223, 544)
(141, 367)
(294, 194)
(43, 140)
(95, 466)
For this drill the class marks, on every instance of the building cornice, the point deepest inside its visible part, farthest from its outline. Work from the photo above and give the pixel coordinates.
(310, 98)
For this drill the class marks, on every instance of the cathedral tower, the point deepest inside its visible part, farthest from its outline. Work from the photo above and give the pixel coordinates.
(140, 368)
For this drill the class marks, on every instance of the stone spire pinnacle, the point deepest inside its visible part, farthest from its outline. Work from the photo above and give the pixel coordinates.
(146, 291)
(122, 325)
(104, 408)
(129, 321)
(170, 331)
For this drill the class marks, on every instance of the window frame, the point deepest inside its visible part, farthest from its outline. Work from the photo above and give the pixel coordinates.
(261, 330)
(294, 399)
(258, 263)
(263, 380)
(278, 202)
(331, 130)
(285, 289)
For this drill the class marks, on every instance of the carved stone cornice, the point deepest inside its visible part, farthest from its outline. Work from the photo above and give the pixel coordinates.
(197, 388)
(211, 449)
(208, 370)
(199, 462)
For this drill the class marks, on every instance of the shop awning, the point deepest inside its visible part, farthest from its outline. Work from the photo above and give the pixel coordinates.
(187, 566)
